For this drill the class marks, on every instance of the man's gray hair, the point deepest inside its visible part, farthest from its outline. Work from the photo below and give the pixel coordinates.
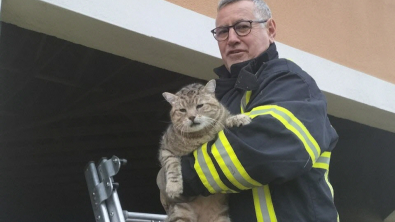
(262, 10)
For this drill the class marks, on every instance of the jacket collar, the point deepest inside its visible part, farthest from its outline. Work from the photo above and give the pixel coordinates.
(245, 71)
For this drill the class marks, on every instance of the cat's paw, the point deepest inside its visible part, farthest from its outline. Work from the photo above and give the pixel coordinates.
(237, 120)
(174, 189)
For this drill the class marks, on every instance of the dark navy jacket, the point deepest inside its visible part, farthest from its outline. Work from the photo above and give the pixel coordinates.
(275, 168)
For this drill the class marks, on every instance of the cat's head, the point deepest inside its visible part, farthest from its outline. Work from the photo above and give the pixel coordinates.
(194, 107)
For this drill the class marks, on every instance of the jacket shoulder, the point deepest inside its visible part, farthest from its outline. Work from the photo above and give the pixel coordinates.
(279, 67)
(284, 65)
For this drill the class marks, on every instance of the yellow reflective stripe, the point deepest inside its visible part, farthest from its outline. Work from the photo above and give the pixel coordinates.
(321, 165)
(248, 96)
(330, 188)
(245, 100)
(214, 173)
(242, 104)
(327, 181)
(207, 172)
(240, 171)
(269, 203)
(326, 154)
(263, 204)
(200, 173)
(230, 164)
(225, 169)
(257, 204)
(323, 161)
(292, 124)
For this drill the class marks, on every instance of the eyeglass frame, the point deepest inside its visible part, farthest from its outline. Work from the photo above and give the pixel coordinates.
(233, 26)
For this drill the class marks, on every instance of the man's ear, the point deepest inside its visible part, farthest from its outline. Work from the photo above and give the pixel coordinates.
(171, 98)
(271, 27)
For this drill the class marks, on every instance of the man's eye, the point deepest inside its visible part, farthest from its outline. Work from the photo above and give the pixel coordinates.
(242, 27)
(183, 110)
(221, 31)
(199, 106)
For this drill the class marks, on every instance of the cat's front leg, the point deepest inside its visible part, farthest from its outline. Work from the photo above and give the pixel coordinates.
(237, 120)
(174, 187)
(172, 166)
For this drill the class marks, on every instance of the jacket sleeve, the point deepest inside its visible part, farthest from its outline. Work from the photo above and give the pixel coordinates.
(289, 134)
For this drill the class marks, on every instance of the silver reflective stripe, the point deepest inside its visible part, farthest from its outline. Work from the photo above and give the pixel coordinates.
(206, 171)
(262, 203)
(291, 122)
(322, 159)
(244, 100)
(243, 103)
(231, 167)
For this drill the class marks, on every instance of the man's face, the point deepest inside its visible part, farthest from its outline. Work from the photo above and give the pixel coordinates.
(236, 48)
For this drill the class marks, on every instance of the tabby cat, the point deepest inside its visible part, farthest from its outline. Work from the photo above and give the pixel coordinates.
(196, 116)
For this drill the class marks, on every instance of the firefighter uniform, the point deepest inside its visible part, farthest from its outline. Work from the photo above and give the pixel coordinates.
(276, 167)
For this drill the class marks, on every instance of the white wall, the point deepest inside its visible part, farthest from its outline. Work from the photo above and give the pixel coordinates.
(165, 35)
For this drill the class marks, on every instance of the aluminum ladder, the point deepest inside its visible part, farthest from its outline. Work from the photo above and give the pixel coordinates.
(104, 197)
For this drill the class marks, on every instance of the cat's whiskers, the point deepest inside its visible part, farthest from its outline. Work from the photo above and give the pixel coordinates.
(213, 122)
(184, 133)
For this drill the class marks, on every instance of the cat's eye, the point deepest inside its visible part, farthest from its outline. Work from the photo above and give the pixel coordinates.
(183, 110)
(199, 106)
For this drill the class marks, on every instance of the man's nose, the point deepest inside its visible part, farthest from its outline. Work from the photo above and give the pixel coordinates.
(233, 37)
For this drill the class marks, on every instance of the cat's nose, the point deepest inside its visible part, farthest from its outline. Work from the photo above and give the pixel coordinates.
(192, 118)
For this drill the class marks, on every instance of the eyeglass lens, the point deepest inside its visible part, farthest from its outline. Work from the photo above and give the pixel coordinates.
(241, 28)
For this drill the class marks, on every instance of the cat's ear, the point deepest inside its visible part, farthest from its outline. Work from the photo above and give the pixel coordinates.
(171, 98)
(210, 86)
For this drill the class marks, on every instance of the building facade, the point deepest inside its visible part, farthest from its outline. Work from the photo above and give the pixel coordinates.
(347, 47)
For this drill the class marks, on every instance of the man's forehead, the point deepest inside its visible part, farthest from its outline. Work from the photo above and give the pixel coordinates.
(234, 12)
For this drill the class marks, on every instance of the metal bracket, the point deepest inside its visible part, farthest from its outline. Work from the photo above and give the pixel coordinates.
(98, 206)
(109, 168)
(104, 196)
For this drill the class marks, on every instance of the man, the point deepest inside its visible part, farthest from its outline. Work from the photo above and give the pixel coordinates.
(275, 168)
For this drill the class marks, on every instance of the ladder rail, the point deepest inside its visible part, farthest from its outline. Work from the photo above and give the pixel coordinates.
(104, 196)
(134, 216)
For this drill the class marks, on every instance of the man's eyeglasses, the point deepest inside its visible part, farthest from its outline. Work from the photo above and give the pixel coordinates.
(241, 28)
